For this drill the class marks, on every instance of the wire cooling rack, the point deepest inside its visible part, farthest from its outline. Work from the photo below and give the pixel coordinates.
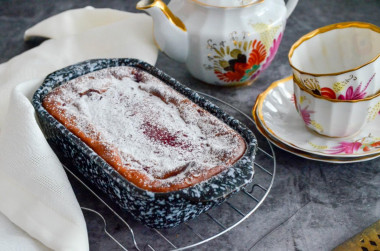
(208, 226)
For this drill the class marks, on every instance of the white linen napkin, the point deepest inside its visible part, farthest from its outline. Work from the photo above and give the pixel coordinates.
(35, 194)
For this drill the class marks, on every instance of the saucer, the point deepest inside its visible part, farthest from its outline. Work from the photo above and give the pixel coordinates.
(277, 119)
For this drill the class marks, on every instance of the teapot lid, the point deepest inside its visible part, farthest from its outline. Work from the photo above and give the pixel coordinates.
(227, 3)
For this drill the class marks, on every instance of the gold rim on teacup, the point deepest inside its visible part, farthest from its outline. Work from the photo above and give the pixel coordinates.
(327, 28)
(303, 88)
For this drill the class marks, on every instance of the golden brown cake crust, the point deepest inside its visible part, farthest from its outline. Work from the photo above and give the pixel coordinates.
(153, 136)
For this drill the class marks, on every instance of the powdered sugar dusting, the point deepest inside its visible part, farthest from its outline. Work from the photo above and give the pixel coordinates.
(156, 130)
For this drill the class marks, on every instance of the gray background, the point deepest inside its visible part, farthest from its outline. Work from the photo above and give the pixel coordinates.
(312, 206)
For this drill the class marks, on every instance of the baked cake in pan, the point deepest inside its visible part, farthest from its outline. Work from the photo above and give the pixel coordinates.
(153, 136)
(153, 146)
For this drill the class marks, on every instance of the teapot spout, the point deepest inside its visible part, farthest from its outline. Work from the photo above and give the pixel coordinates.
(169, 31)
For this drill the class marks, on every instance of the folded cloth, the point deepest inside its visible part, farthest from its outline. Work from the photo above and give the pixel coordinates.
(13, 238)
(35, 194)
(76, 22)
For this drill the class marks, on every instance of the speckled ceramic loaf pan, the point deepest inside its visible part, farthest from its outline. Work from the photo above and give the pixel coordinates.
(158, 210)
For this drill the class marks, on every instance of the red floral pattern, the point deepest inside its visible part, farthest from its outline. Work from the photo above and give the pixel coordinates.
(346, 147)
(328, 93)
(257, 55)
(352, 94)
(272, 53)
(305, 113)
(366, 144)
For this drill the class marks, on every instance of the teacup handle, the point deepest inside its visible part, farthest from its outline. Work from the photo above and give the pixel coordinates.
(290, 6)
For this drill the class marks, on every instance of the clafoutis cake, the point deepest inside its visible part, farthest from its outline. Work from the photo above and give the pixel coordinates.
(155, 147)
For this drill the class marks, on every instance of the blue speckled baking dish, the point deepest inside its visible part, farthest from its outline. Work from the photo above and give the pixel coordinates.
(157, 210)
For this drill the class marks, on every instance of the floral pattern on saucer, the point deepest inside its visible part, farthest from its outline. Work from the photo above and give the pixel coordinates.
(364, 144)
(279, 118)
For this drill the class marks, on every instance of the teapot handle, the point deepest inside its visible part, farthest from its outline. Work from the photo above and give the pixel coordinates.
(290, 6)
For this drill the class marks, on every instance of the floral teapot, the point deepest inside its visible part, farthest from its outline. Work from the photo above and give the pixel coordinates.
(222, 42)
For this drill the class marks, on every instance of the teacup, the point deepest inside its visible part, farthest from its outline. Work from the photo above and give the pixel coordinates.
(339, 61)
(334, 117)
